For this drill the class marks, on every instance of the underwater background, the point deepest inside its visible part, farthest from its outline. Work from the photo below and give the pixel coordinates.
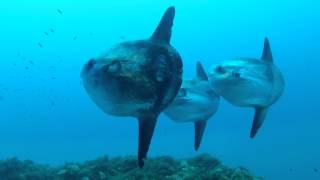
(46, 116)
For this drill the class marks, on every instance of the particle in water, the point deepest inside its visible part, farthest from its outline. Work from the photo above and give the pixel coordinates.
(59, 11)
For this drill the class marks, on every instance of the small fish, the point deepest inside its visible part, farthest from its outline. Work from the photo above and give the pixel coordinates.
(52, 103)
(26, 67)
(59, 11)
(14, 64)
(52, 30)
(1, 98)
(122, 37)
(31, 62)
(40, 45)
(53, 78)
(315, 170)
(75, 38)
(46, 33)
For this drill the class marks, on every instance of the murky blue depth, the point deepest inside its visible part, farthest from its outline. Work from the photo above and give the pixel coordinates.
(46, 116)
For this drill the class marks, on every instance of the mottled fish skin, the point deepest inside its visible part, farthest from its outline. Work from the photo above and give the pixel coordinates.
(139, 82)
(249, 82)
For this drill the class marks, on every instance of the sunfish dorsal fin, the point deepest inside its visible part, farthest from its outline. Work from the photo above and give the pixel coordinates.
(267, 54)
(163, 31)
(201, 73)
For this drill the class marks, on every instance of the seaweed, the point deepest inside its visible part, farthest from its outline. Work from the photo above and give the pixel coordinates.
(202, 167)
(14, 169)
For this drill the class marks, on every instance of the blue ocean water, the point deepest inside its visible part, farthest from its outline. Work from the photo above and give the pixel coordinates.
(46, 116)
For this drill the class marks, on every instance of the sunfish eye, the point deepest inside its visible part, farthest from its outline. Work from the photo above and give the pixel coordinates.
(220, 69)
(236, 74)
(113, 67)
(90, 63)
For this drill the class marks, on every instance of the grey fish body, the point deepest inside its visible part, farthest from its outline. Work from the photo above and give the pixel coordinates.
(248, 82)
(260, 83)
(196, 102)
(137, 79)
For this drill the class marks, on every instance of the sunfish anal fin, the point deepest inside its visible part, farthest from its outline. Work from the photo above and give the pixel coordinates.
(267, 54)
(201, 73)
(259, 116)
(146, 129)
(163, 31)
(199, 127)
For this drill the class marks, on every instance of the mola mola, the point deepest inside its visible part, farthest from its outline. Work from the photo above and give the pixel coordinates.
(249, 82)
(196, 102)
(137, 79)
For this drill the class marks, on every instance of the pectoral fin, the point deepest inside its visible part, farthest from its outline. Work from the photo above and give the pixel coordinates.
(146, 129)
(199, 127)
(259, 116)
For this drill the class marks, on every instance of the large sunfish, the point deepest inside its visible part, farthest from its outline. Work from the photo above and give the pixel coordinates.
(196, 102)
(138, 79)
(249, 82)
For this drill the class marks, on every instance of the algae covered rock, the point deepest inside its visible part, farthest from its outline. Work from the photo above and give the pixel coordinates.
(202, 167)
(14, 169)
